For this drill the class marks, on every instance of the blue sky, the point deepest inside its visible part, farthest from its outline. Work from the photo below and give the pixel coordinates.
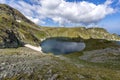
(70, 13)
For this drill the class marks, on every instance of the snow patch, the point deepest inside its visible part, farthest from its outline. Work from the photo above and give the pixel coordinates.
(39, 49)
(18, 21)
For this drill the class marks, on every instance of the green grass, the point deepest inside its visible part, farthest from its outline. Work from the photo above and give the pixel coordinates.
(96, 44)
(108, 65)
(93, 44)
(85, 33)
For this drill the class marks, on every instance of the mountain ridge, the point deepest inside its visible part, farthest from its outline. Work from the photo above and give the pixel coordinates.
(82, 32)
(26, 31)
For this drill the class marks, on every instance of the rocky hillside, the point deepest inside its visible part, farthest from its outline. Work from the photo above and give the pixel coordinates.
(16, 29)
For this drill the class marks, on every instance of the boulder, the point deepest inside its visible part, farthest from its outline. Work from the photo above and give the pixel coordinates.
(10, 40)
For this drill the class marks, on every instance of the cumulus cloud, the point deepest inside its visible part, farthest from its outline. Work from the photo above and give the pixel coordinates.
(81, 12)
(64, 12)
(2, 1)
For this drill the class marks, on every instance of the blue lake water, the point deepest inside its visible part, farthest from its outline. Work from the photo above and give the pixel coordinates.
(56, 46)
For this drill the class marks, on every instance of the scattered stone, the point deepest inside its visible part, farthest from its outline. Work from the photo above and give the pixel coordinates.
(101, 55)
(53, 77)
(80, 76)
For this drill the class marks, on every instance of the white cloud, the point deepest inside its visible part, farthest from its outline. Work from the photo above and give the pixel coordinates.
(64, 12)
(50, 4)
(2, 1)
(35, 20)
(81, 12)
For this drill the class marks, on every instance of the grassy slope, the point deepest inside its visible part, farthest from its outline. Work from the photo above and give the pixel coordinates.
(26, 29)
(85, 33)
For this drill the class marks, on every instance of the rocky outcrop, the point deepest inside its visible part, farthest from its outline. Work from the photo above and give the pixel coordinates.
(10, 40)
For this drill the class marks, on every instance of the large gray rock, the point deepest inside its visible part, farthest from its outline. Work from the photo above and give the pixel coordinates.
(10, 40)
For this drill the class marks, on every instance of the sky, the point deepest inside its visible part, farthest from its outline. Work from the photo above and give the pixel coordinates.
(71, 13)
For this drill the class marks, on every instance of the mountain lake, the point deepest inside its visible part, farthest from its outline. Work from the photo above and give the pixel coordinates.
(59, 46)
